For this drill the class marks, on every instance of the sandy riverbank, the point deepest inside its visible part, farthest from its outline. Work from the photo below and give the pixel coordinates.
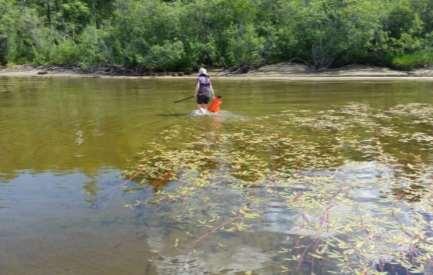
(281, 71)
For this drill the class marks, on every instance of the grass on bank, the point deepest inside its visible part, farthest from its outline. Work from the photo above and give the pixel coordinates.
(414, 60)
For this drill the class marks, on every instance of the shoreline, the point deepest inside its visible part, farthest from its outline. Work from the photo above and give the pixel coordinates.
(281, 71)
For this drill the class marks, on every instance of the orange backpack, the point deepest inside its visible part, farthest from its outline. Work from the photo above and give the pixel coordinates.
(215, 105)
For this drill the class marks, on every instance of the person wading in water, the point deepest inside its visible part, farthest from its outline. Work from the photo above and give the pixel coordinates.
(203, 90)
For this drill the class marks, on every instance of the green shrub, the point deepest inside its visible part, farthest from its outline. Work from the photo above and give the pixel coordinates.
(3, 49)
(65, 53)
(168, 56)
(21, 27)
(244, 46)
(186, 34)
(92, 48)
(414, 60)
(45, 47)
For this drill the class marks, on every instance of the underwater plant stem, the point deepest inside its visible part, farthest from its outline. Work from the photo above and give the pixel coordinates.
(213, 230)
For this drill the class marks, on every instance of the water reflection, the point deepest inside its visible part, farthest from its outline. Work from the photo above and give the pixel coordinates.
(317, 157)
(329, 173)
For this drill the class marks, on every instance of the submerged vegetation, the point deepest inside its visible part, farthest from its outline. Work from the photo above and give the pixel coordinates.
(155, 35)
(353, 203)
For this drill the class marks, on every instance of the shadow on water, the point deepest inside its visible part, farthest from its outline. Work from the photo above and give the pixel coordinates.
(173, 114)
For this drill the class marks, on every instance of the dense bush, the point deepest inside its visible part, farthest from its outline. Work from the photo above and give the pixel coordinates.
(185, 34)
(93, 47)
(413, 60)
(3, 50)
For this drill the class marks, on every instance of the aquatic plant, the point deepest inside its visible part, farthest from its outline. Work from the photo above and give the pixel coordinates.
(356, 180)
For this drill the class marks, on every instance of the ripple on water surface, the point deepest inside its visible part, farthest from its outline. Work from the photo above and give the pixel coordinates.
(297, 178)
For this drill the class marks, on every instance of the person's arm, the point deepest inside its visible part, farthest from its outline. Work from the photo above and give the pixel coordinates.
(197, 88)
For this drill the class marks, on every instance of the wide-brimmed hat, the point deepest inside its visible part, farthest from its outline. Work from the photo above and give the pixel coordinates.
(202, 71)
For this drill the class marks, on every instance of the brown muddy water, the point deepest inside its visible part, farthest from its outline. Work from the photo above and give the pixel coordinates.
(108, 176)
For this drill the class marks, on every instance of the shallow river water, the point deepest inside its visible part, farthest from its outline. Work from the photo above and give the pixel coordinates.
(109, 176)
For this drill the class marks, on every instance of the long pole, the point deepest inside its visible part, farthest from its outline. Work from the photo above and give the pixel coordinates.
(183, 99)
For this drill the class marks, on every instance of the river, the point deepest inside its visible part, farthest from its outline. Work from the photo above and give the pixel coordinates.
(109, 176)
